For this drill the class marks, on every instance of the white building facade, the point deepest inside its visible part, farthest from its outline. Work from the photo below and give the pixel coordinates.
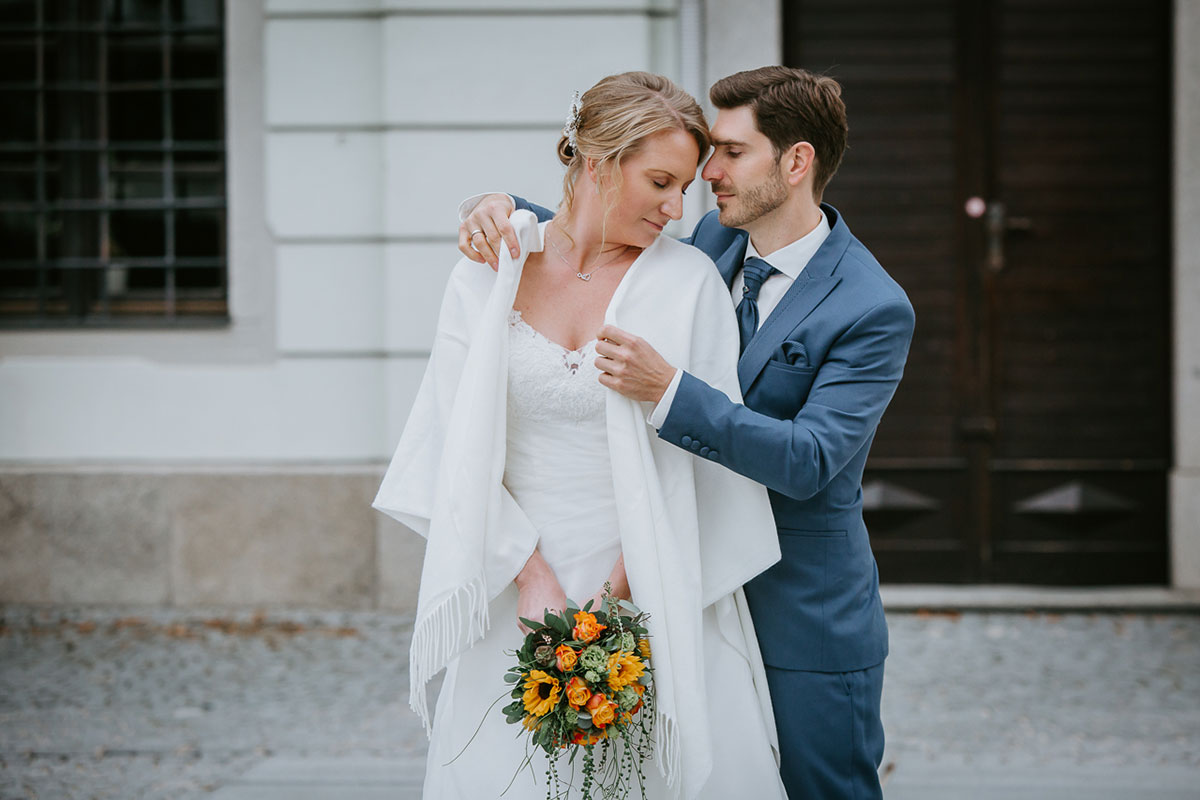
(237, 465)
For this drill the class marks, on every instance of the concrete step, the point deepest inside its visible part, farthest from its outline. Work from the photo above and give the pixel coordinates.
(350, 778)
(996, 598)
(361, 778)
(917, 781)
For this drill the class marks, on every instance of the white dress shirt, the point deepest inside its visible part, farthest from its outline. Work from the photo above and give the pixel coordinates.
(790, 260)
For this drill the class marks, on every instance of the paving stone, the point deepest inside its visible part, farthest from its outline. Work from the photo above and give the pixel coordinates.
(169, 704)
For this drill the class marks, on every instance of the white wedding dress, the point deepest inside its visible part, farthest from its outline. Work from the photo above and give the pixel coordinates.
(557, 468)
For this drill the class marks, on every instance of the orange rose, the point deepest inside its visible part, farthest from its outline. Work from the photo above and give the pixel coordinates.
(586, 628)
(578, 692)
(565, 658)
(603, 710)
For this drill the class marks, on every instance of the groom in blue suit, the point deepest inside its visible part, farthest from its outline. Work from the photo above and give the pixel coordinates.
(825, 334)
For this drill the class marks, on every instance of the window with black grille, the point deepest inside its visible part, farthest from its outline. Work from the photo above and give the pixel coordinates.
(112, 163)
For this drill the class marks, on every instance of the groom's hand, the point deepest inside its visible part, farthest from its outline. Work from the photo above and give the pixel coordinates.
(630, 366)
(484, 230)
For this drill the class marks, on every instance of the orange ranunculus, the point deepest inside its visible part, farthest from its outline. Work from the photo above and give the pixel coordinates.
(578, 692)
(541, 693)
(586, 628)
(624, 668)
(603, 710)
(565, 658)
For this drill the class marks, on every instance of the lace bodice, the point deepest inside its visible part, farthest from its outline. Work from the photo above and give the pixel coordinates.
(546, 381)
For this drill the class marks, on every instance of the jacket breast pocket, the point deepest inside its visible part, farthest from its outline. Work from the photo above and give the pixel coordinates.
(781, 389)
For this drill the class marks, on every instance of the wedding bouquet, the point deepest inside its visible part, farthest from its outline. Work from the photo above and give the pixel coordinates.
(583, 684)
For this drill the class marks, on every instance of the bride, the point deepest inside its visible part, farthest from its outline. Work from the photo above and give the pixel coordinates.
(534, 484)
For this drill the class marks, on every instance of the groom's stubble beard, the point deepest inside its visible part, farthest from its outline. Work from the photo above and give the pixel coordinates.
(752, 203)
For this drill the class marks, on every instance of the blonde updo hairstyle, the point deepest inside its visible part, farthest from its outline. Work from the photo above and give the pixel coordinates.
(617, 115)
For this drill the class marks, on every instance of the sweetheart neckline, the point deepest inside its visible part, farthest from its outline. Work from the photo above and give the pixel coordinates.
(516, 317)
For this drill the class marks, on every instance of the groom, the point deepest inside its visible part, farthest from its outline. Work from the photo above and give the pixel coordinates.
(825, 334)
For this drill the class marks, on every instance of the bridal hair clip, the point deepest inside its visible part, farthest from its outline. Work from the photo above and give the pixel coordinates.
(572, 126)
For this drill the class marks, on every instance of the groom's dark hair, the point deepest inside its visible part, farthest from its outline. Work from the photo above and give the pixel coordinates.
(792, 105)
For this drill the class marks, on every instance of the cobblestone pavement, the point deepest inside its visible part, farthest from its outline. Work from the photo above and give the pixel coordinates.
(155, 703)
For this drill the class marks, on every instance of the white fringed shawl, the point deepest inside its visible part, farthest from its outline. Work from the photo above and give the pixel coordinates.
(692, 532)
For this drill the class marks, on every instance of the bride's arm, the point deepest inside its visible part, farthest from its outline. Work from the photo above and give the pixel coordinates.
(538, 590)
(618, 581)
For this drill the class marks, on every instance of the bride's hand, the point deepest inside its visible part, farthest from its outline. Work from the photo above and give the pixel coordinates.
(538, 591)
(480, 234)
(536, 598)
(617, 580)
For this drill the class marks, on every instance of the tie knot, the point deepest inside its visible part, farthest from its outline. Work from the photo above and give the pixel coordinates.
(754, 272)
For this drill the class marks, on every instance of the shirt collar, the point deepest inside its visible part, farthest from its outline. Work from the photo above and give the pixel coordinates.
(793, 258)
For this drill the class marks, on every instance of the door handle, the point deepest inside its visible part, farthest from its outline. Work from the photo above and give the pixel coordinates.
(998, 224)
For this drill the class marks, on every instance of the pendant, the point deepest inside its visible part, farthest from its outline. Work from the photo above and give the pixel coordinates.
(583, 277)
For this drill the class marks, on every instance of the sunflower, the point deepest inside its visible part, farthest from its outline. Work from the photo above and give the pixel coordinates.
(541, 693)
(643, 647)
(623, 669)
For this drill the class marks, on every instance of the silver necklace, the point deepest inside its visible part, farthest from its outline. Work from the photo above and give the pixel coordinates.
(586, 276)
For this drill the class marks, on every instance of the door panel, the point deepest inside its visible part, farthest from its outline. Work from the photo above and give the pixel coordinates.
(1029, 440)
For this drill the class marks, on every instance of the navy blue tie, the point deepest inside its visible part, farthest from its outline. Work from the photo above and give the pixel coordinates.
(754, 272)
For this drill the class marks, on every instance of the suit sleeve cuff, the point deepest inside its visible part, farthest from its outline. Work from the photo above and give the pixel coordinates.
(467, 206)
(659, 415)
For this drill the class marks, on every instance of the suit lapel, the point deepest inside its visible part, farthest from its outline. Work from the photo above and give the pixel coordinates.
(731, 260)
(814, 285)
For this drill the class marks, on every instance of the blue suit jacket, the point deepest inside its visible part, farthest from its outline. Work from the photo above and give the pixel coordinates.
(816, 379)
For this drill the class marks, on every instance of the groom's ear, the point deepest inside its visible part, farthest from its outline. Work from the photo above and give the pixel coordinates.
(798, 162)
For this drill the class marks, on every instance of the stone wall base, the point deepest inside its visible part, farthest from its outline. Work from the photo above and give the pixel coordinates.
(190, 537)
(267, 537)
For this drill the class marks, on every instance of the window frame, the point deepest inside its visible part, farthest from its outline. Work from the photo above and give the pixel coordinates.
(249, 334)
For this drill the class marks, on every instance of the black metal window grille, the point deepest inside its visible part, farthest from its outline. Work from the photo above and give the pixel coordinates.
(112, 163)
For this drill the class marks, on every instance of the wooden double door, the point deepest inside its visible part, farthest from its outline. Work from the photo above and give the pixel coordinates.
(1009, 165)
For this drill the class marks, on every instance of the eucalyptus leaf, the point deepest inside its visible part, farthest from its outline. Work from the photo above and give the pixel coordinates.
(628, 606)
(559, 624)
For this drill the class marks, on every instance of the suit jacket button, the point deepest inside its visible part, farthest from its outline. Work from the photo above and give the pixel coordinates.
(686, 441)
(704, 451)
(695, 445)
(712, 455)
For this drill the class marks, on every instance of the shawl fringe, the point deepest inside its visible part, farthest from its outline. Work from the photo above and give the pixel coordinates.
(667, 749)
(439, 636)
